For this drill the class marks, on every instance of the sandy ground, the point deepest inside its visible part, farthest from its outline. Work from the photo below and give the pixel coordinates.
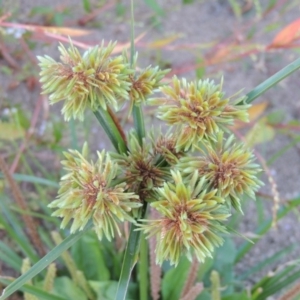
(203, 23)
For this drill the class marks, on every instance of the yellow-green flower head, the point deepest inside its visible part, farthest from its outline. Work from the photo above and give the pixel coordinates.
(198, 109)
(190, 220)
(164, 145)
(143, 82)
(140, 169)
(228, 167)
(92, 80)
(87, 192)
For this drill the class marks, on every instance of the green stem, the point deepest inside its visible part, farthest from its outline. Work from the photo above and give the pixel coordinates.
(138, 121)
(129, 262)
(143, 269)
(265, 227)
(133, 244)
(267, 84)
(130, 257)
(111, 129)
(137, 113)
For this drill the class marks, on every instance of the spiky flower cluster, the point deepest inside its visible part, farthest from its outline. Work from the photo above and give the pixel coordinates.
(95, 79)
(87, 192)
(192, 175)
(140, 169)
(227, 166)
(190, 220)
(197, 109)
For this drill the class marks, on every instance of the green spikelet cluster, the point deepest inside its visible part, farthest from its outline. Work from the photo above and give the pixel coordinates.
(197, 109)
(227, 166)
(190, 221)
(87, 193)
(192, 174)
(85, 81)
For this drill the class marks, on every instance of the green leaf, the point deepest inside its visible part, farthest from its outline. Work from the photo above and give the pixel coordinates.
(205, 295)
(43, 263)
(224, 263)
(86, 5)
(107, 290)
(275, 117)
(261, 132)
(261, 264)
(225, 255)
(155, 6)
(237, 296)
(32, 179)
(263, 228)
(88, 256)
(205, 267)
(8, 255)
(38, 292)
(174, 279)
(66, 288)
(273, 80)
(15, 229)
(200, 71)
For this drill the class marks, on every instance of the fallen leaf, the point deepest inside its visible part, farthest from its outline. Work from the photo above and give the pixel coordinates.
(11, 131)
(287, 35)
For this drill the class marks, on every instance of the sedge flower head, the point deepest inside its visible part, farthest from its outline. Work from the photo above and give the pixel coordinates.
(139, 168)
(190, 221)
(87, 193)
(228, 167)
(198, 109)
(92, 80)
(164, 145)
(144, 82)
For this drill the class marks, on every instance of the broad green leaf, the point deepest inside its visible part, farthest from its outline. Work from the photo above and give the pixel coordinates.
(88, 256)
(174, 279)
(66, 288)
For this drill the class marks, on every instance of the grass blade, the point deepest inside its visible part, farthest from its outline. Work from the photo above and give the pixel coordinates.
(10, 257)
(14, 228)
(267, 262)
(43, 263)
(41, 294)
(273, 80)
(265, 227)
(32, 179)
